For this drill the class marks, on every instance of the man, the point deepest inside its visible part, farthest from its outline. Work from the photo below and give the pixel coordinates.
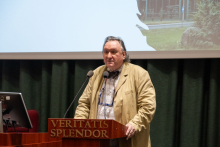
(128, 96)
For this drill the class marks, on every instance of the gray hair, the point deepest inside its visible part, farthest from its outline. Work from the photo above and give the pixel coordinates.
(121, 42)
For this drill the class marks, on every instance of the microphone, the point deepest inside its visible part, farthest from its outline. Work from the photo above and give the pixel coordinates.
(105, 74)
(89, 75)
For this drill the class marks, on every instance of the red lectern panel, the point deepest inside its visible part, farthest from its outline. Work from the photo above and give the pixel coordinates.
(28, 140)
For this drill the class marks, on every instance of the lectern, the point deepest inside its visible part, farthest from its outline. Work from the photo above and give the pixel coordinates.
(68, 132)
(85, 132)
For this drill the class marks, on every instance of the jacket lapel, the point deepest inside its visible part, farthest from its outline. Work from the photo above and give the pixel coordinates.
(123, 77)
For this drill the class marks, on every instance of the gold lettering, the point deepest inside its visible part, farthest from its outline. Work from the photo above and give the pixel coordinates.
(59, 131)
(96, 135)
(87, 124)
(53, 133)
(90, 133)
(62, 123)
(100, 126)
(54, 124)
(104, 133)
(80, 133)
(80, 121)
(64, 133)
(71, 133)
(94, 123)
(105, 125)
(68, 123)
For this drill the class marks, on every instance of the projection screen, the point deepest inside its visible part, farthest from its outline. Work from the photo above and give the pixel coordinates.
(76, 29)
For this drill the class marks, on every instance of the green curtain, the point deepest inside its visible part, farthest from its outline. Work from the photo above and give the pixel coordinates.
(187, 93)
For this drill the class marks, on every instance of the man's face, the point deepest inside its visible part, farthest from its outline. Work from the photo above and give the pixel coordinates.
(113, 55)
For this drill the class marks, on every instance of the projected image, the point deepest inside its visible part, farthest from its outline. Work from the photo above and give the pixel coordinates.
(70, 25)
(181, 24)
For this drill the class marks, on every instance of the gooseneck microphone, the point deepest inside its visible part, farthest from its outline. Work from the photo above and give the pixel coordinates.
(89, 75)
(105, 75)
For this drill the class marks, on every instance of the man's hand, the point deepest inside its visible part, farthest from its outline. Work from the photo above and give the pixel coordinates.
(130, 131)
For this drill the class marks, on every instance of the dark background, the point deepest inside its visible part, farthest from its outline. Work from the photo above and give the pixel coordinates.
(187, 94)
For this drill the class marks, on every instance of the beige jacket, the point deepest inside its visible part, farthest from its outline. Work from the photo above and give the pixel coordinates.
(134, 102)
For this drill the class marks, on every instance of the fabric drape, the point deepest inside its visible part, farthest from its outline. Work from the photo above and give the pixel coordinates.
(187, 94)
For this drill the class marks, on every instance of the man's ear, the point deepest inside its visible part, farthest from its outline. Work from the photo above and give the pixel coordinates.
(124, 54)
